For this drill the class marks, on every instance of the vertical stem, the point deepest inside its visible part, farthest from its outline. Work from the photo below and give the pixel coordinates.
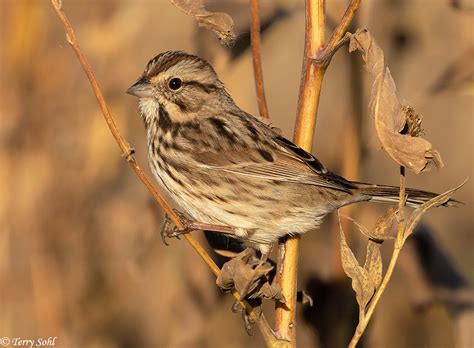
(257, 61)
(307, 107)
(312, 78)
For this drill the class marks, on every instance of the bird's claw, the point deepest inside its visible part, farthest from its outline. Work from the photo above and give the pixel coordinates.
(170, 230)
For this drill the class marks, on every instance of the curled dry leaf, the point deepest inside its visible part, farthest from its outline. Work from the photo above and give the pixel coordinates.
(422, 209)
(373, 257)
(249, 276)
(366, 279)
(373, 263)
(376, 235)
(385, 223)
(362, 283)
(219, 22)
(414, 153)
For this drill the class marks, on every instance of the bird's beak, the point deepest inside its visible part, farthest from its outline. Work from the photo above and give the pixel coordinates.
(141, 89)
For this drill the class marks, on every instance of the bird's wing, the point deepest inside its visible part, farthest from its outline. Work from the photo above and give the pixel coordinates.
(279, 160)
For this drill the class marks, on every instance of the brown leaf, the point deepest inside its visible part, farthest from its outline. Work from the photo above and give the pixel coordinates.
(249, 277)
(373, 263)
(373, 258)
(385, 222)
(361, 281)
(219, 22)
(412, 152)
(376, 235)
(413, 121)
(422, 209)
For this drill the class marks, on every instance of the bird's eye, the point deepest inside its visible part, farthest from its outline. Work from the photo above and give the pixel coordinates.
(175, 83)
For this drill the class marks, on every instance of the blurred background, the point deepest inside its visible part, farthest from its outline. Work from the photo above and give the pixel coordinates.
(80, 251)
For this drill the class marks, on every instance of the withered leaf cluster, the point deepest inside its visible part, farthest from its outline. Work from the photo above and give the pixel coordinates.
(250, 277)
(219, 22)
(408, 150)
(367, 278)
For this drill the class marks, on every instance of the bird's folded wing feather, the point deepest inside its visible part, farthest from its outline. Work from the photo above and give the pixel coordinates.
(281, 161)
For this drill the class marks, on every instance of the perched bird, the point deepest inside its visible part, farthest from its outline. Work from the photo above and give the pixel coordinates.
(229, 171)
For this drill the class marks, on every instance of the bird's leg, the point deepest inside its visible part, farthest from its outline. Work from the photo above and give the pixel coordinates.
(169, 230)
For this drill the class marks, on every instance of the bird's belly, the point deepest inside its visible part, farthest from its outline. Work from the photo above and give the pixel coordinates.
(267, 211)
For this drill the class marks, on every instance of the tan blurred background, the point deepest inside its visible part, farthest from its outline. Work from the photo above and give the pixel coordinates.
(80, 253)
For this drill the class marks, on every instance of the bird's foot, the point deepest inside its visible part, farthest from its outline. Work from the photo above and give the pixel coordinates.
(170, 230)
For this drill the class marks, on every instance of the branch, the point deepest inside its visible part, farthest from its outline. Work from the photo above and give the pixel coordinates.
(304, 132)
(341, 29)
(257, 62)
(314, 69)
(127, 153)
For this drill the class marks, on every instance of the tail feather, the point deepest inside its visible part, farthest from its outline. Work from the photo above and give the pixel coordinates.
(391, 194)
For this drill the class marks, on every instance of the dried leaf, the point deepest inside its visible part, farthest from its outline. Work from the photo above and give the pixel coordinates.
(385, 222)
(412, 152)
(249, 277)
(422, 209)
(369, 234)
(219, 22)
(373, 263)
(413, 121)
(361, 281)
(373, 258)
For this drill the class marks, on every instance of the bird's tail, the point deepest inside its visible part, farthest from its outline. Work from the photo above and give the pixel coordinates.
(391, 194)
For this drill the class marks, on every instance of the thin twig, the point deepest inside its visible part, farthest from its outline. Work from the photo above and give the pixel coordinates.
(127, 153)
(257, 60)
(391, 266)
(341, 29)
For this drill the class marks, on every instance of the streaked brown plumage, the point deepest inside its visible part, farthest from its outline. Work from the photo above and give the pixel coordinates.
(224, 166)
